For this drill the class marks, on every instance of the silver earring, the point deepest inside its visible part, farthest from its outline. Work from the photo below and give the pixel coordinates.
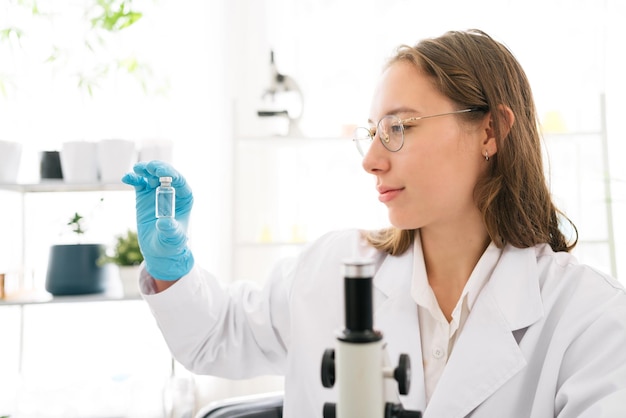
(486, 155)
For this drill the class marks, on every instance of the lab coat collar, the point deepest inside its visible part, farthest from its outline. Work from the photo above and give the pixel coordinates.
(513, 283)
(486, 354)
(394, 274)
(515, 286)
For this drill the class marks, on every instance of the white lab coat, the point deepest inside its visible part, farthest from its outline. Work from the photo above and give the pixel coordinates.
(545, 338)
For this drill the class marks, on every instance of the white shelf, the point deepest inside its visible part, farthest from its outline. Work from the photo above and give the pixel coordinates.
(49, 299)
(61, 186)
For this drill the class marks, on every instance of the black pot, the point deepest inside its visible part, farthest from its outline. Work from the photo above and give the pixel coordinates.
(50, 165)
(73, 270)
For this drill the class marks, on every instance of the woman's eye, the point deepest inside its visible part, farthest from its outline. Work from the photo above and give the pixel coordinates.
(396, 129)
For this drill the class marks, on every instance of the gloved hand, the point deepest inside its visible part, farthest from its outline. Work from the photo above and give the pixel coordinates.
(163, 241)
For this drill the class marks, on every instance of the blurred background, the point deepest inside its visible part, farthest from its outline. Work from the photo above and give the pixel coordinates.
(185, 81)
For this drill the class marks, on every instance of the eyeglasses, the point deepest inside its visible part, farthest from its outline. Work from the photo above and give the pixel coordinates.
(390, 130)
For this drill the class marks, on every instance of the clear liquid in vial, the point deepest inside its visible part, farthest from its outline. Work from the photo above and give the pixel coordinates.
(165, 199)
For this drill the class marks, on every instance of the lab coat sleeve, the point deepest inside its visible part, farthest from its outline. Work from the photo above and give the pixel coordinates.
(593, 374)
(234, 331)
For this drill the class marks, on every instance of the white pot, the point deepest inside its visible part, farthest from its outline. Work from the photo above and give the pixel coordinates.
(79, 162)
(129, 275)
(115, 158)
(156, 150)
(10, 155)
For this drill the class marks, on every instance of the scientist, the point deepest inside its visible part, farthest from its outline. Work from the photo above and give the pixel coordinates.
(474, 280)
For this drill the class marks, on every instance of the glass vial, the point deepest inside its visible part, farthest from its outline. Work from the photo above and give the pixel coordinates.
(165, 198)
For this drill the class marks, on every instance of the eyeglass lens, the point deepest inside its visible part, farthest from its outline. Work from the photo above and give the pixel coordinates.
(389, 130)
(363, 140)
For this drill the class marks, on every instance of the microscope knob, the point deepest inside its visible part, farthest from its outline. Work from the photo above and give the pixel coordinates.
(410, 414)
(330, 410)
(402, 374)
(328, 368)
(397, 411)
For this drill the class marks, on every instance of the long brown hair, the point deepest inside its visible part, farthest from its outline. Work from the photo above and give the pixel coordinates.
(475, 71)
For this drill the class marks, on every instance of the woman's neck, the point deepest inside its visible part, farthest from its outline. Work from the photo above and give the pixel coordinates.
(450, 255)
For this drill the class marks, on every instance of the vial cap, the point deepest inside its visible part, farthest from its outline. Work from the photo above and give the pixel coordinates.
(165, 179)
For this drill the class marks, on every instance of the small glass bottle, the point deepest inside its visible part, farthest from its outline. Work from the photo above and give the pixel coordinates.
(165, 198)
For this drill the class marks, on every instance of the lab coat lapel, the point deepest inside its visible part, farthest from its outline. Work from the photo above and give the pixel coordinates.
(396, 318)
(486, 354)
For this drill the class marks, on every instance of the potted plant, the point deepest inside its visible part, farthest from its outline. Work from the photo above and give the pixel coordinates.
(73, 269)
(127, 256)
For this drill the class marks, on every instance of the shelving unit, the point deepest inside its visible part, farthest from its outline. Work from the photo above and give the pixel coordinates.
(579, 172)
(24, 297)
(81, 350)
(290, 190)
(22, 192)
(23, 303)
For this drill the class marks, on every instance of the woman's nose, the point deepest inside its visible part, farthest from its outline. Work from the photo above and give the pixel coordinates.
(376, 159)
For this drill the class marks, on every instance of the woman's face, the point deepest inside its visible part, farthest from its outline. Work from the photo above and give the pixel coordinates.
(430, 180)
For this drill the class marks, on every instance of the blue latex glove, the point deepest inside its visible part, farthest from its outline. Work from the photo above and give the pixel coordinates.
(163, 241)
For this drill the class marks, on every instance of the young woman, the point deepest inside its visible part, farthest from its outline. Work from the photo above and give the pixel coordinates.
(474, 280)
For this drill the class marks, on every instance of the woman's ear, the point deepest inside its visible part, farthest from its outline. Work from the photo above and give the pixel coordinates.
(509, 118)
(490, 145)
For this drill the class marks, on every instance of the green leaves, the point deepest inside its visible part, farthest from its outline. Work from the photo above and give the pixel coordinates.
(11, 33)
(92, 58)
(76, 223)
(126, 251)
(115, 16)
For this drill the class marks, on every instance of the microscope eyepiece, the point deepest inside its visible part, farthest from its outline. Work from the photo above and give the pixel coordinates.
(358, 268)
(359, 311)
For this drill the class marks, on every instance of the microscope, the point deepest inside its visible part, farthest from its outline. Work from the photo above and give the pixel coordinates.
(357, 365)
(283, 99)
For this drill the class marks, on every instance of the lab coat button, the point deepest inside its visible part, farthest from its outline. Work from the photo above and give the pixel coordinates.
(438, 352)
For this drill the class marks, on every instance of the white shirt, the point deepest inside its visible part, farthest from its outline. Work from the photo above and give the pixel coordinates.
(439, 335)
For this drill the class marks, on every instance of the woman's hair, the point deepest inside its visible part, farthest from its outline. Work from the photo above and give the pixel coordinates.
(475, 71)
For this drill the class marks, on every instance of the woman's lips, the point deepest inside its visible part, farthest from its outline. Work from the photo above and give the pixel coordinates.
(387, 194)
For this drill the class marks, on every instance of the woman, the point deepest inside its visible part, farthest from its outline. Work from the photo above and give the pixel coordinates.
(474, 277)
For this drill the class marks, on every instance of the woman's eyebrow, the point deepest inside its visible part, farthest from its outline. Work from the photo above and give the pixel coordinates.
(398, 111)
(404, 109)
